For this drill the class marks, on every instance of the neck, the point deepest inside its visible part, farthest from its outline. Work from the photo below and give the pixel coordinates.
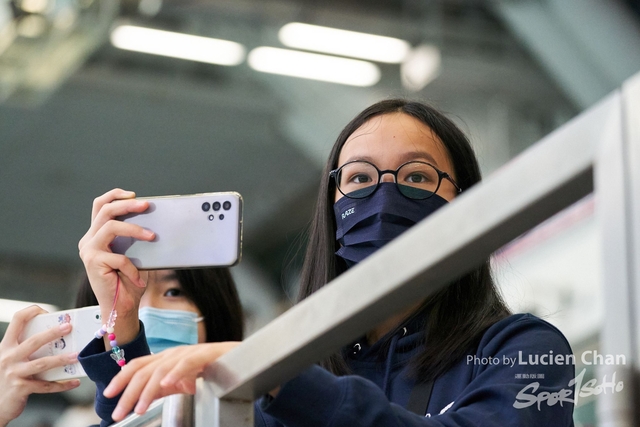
(391, 323)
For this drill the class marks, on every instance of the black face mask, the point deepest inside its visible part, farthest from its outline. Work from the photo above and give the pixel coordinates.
(365, 225)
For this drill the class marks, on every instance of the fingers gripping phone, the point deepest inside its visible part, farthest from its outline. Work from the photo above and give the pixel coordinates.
(84, 322)
(198, 230)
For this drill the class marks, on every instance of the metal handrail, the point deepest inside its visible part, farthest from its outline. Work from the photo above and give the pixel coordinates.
(176, 410)
(151, 418)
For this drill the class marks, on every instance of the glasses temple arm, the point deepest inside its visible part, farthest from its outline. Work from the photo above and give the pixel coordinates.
(451, 180)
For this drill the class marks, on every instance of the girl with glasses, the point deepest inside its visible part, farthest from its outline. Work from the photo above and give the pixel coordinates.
(393, 165)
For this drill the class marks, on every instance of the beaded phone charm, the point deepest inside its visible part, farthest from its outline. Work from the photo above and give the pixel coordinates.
(117, 353)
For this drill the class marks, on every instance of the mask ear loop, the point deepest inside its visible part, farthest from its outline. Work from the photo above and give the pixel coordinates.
(117, 353)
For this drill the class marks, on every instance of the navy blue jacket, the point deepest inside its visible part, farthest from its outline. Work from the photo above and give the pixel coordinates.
(483, 389)
(477, 391)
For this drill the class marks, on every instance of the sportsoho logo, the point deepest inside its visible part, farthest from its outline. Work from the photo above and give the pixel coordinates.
(529, 395)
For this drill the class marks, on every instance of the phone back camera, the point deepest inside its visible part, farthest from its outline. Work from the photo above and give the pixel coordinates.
(226, 206)
(206, 206)
(216, 206)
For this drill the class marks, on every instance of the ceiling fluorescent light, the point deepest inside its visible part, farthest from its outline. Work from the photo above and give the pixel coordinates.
(8, 307)
(177, 45)
(313, 66)
(421, 67)
(345, 43)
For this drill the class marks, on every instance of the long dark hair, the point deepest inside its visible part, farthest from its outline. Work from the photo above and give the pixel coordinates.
(212, 290)
(456, 316)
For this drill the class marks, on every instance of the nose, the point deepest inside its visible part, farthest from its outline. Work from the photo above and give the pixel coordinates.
(387, 176)
(148, 299)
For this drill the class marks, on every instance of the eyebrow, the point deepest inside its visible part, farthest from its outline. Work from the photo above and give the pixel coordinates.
(168, 277)
(413, 155)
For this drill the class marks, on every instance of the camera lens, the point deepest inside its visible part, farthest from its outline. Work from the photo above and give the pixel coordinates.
(216, 206)
(226, 206)
(221, 216)
(206, 206)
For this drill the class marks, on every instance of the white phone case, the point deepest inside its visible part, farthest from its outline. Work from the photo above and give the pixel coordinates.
(198, 230)
(84, 321)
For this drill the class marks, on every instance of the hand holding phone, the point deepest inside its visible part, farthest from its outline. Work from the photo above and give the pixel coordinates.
(17, 370)
(84, 323)
(105, 268)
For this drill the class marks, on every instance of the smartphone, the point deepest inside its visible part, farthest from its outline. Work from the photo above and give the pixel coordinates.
(84, 321)
(197, 230)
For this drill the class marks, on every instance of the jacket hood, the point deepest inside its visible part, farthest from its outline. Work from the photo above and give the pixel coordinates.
(390, 355)
(409, 335)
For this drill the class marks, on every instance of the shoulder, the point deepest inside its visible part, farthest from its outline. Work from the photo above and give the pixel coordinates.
(522, 323)
(525, 331)
(516, 357)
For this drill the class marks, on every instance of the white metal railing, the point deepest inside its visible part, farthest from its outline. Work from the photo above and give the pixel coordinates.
(172, 411)
(548, 177)
(617, 184)
(151, 418)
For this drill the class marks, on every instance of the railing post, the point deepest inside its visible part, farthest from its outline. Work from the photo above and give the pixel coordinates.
(214, 412)
(631, 128)
(178, 411)
(614, 202)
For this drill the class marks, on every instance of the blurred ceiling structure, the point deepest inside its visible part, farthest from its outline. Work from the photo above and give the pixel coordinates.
(79, 116)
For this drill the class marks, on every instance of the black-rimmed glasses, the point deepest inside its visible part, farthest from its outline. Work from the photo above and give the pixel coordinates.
(416, 180)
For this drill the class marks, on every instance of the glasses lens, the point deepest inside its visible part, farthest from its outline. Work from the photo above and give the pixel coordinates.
(357, 179)
(418, 180)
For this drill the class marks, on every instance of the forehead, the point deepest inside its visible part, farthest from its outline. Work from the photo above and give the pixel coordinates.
(392, 139)
(162, 276)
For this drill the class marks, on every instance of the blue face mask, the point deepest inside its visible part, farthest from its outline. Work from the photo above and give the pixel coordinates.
(366, 225)
(169, 328)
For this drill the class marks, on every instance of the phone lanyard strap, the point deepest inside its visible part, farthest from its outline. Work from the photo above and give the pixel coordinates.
(117, 353)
